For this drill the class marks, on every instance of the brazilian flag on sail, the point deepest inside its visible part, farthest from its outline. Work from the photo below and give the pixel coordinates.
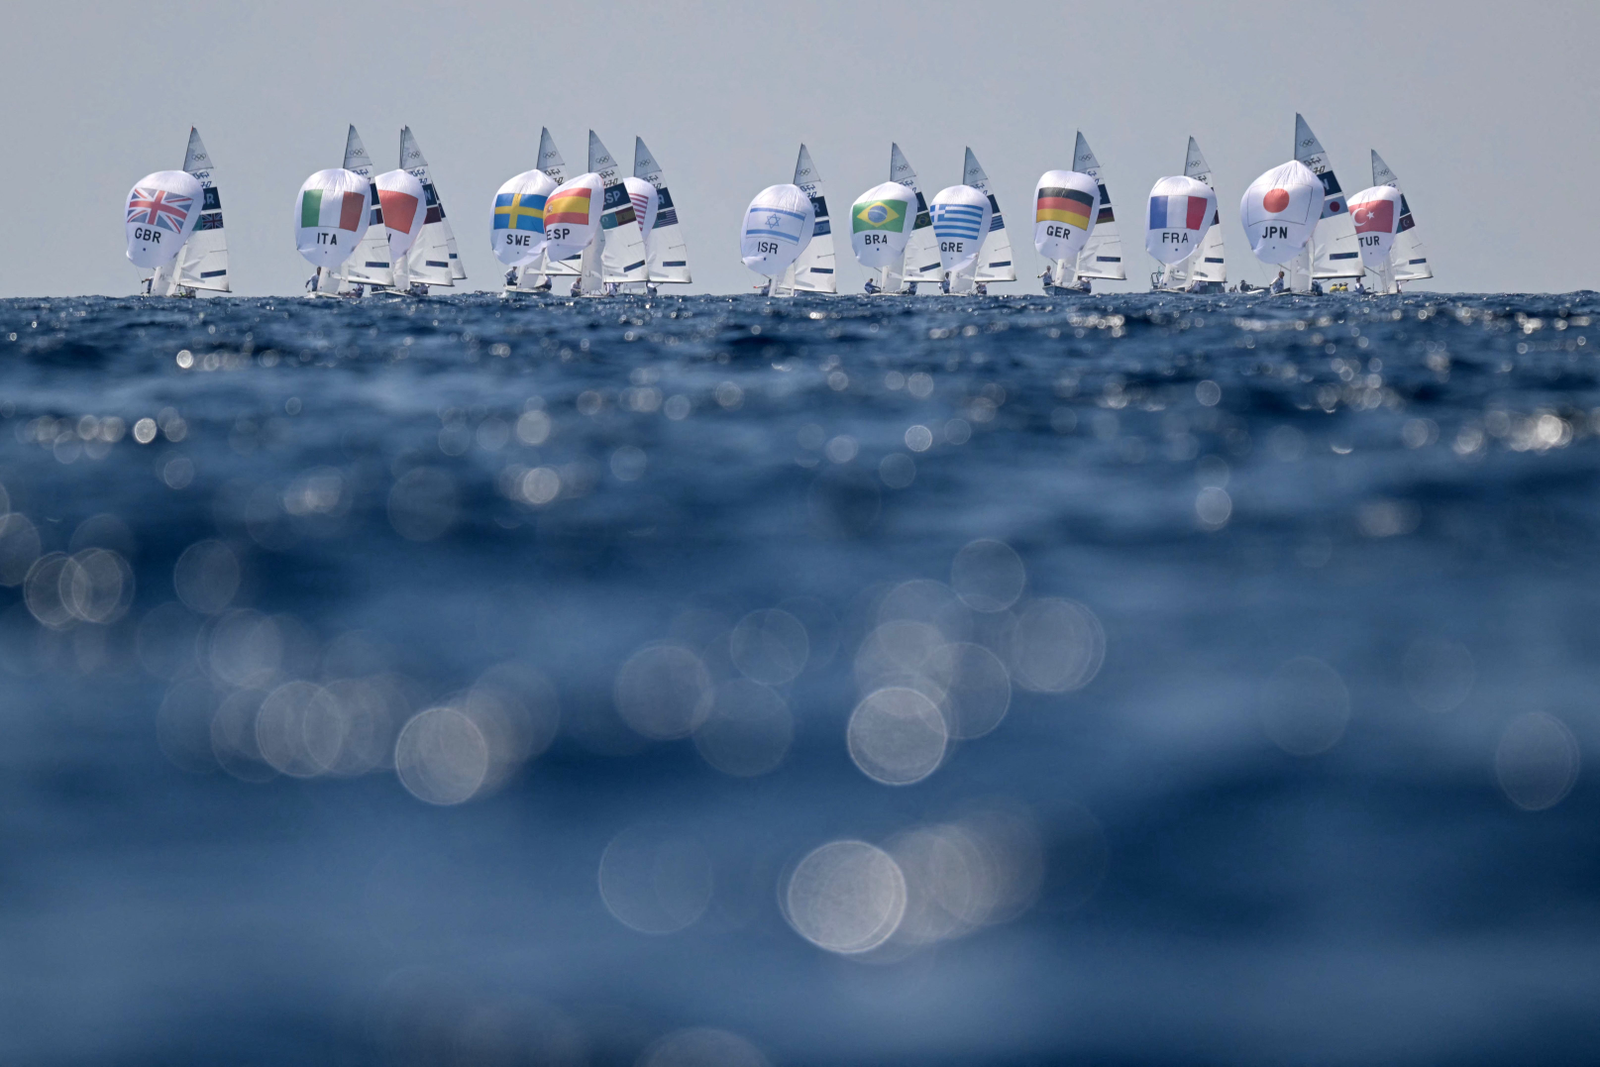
(889, 215)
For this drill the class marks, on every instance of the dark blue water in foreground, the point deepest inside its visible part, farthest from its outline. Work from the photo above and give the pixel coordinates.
(1285, 665)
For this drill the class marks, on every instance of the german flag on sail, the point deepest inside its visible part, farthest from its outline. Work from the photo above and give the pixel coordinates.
(570, 206)
(1064, 205)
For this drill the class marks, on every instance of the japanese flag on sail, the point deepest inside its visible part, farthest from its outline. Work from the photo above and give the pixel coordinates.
(331, 216)
(1181, 211)
(161, 214)
(1280, 210)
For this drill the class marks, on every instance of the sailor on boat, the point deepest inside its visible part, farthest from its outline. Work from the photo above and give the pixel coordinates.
(1278, 284)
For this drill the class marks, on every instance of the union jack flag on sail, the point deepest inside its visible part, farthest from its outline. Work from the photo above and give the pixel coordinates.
(159, 208)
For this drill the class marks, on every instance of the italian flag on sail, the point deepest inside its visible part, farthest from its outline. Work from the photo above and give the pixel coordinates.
(324, 207)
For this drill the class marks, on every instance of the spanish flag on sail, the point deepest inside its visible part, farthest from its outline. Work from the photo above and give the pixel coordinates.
(1070, 206)
(567, 206)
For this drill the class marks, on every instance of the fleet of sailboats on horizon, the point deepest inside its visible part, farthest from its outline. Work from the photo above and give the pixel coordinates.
(633, 241)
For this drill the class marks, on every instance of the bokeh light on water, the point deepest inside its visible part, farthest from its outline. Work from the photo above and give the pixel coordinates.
(732, 681)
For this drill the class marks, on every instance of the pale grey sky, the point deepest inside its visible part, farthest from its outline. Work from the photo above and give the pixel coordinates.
(1486, 112)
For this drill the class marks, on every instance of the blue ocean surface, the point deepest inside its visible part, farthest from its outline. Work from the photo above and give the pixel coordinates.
(725, 681)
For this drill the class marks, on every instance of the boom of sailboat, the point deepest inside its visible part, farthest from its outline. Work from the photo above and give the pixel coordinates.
(603, 232)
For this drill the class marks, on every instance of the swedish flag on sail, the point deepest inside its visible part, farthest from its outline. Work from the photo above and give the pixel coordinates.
(519, 211)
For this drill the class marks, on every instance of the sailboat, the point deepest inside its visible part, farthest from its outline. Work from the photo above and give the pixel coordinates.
(162, 211)
(1334, 255)
(778, 225)
(921, 262)
(1206, 271)
(623, 258)
(432, 261)
(202, 264)
(995, 262)
(369, 265)
(1102, 254)
(881, 225)
(1376, 215)
(1066, 207)
(1280, 212)
(331, 220)
(1407, 261)
(813, 272)
(539, 276)
(961, 218)
(667, 258)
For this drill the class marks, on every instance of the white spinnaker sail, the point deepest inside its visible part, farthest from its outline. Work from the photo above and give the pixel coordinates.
(622, 255)
(995, 261)
(881, 221)
(331, 219)
(539, 272)
(776, 229)
(922, 250)
(646, 200)
(669, 257)
(1208, 264)
(572, 228)
(203, 263)
(1065, 206)
(371, 263)
(813, 272)
(162, 211)
(1102, 255)
(401, 197)
(1279, 213)
(1376, 215)
(431, 259)
(961, 217)
(1406, 258)
(1335, 252)
(1179, 216)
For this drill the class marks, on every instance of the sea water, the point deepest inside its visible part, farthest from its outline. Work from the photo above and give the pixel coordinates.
(1130, 679)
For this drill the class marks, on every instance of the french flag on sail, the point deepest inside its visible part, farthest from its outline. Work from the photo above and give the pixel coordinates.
(1177, 212)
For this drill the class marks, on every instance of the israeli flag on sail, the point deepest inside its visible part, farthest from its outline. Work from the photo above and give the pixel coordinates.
(774, 222)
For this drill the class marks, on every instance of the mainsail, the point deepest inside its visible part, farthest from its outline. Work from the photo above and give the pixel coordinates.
(1334, 250)
(1406, 257)
(1102, 255)
(669, 258)
(539, 273)
(622, 257)
(370, 264)
(1207, 264)
(204, 262)
(813, 272)
(922, 250)
(995, 262)
(432, 257)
